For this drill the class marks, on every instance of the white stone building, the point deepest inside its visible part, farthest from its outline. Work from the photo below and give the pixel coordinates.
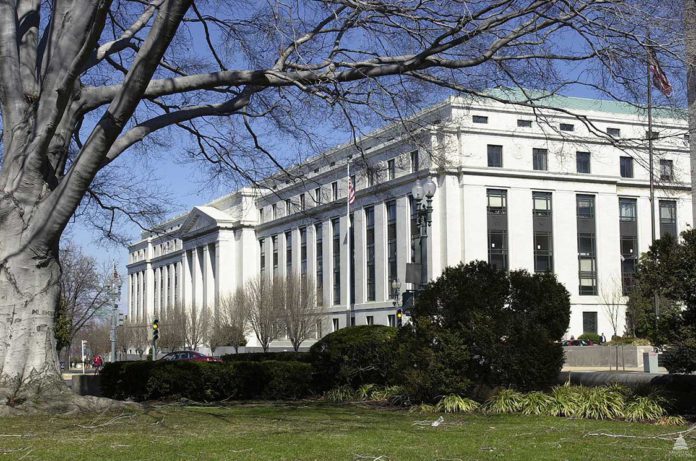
(525, 189)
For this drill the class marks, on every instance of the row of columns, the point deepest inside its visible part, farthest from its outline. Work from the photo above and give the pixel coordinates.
(382, 284)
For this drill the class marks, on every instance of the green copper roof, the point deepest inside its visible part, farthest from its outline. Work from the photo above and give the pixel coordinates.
(583, 104)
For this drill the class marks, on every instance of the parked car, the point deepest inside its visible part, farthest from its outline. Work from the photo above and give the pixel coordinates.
(577, 342)
(190, 356)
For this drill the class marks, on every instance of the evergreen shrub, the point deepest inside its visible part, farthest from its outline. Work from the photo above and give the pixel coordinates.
(201, 381)
(354, 356)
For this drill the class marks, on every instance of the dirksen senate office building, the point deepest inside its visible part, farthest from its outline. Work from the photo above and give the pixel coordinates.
(521, 188)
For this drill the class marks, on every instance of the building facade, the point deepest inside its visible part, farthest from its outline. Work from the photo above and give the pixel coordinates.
(541, 190)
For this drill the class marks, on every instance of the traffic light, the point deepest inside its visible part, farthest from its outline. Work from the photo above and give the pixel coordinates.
(399, 317)
(155, 330)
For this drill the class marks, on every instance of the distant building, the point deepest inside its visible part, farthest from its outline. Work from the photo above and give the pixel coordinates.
(518, 188)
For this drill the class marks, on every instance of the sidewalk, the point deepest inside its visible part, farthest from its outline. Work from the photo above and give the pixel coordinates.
(660, 370)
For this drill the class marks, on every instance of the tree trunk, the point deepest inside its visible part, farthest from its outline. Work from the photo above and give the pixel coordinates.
(29, 295)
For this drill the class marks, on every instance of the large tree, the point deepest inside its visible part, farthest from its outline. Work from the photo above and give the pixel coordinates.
(82, 81)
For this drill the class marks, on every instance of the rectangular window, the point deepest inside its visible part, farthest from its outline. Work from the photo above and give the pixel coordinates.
(614, 132)
(626, 167)
(480, 119)
(629, 257)
(391, 241)
(288, 207)
(585, 207)
(589, 322)
(391, 169)
(541, 202)
(336, 324)
(274, 241)
(666, 170)
(497, 249)
(495, 156)
(627, 210)
(317, 195)
(262, 248)
(318, 330)
(370, 320)
(582, 161)
(370, 177)
(302, 202)
(567, 127)
(319, 263)
(303, 251)
(353, 181)
(497, 201)
(334, 190)
(370, 252)
(543, 252)
(260, 218)
(414, 161)
(275, 211)
(668, 217)
(540, 159)
(336, 250)
(587, 256)
(587, 263)
(521, 123)
(288, 253)
(391, 319)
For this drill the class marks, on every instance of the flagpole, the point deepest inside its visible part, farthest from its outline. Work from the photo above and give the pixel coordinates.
(650, 155)
(652, 179)
(348, 307)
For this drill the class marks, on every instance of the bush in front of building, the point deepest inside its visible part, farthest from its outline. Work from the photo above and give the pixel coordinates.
(206, 382)
(680, 356)
(479, 327)
(265, 356)
(354, 356)
(594, 337)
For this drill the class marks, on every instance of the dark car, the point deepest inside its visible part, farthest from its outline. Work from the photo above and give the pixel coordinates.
(190, 356)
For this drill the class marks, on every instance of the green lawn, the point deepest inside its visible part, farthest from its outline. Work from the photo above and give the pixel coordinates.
(310, 431)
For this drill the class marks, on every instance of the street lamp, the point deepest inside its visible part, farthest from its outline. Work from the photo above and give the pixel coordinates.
(395, 291)
(423, 196)
(116, 292)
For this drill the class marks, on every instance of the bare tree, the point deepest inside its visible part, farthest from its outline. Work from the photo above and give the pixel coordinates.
(197, 328)
(85, 294)
(613, 303)
(82, 81)
(172, 326)
(96, 333)
(300, 312)
(265, 308)
(230, 325)
(132, 336)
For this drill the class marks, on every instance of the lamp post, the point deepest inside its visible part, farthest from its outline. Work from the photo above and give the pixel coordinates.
(395, 291)
(423, 196)
(116, 292)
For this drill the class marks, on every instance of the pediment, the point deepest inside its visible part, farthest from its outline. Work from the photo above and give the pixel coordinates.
(202, 220)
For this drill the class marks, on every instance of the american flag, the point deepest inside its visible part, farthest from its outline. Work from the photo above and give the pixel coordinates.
(659, 77)
(351, 191)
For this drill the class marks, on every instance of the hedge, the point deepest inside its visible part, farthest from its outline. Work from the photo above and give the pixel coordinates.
(266, 356)
(199, 381)
(354, 356)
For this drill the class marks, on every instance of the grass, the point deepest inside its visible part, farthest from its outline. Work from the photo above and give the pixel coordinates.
(322, 431)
